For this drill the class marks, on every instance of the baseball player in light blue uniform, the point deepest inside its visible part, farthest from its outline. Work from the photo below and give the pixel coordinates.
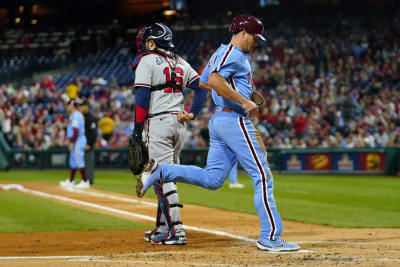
(233, 136)
(77, 139)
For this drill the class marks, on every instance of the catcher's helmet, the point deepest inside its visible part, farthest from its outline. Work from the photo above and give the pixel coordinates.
(248, 23)
(159, 33)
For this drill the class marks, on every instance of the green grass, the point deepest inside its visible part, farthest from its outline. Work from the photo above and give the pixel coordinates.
(24, 213)
(343, 201)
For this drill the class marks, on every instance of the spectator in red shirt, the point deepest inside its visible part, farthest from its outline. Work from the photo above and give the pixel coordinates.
(299, 124)
(47, 82)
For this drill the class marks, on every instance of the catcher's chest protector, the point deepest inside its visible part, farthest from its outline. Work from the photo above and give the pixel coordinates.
(156, 71)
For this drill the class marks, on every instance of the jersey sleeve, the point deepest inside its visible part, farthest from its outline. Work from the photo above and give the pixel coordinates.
(227, 63)
(143, 73)
(191, 75)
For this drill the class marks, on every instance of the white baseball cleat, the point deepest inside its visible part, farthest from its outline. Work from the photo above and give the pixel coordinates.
(140, 186)
(67, 183)
(83, 185)
(236, 185)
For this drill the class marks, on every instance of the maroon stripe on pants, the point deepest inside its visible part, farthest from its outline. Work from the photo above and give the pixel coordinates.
(264, 182)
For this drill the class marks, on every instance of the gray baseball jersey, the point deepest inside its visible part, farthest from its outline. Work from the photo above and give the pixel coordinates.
(154, 69)
(164, 135)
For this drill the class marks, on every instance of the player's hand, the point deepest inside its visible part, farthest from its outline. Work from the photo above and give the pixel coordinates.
(87, 147)
(184, 116)
(251, 108)
(70, 146)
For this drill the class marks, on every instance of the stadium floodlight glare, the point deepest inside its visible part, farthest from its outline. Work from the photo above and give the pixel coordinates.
(169, 12)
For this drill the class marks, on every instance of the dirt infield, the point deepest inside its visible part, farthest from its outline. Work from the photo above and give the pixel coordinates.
(321, 245)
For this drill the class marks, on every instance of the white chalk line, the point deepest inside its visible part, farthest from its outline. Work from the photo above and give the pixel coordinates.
(140, 216)
(101, 258)
(193, 228)
(113, 210)
(124, 199)
(79, 202)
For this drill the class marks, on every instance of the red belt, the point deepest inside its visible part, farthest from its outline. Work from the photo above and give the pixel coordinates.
(162, 113)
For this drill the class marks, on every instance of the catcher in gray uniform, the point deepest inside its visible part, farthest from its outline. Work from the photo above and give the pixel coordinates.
(160, 76)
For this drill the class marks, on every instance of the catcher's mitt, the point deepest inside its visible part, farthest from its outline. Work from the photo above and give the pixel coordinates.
(138, 155)
(257, 98)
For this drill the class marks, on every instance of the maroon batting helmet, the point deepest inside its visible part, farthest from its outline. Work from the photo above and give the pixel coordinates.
(248, 23)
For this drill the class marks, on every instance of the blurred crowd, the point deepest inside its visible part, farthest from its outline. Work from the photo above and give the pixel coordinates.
(337, 86)
(35, 117)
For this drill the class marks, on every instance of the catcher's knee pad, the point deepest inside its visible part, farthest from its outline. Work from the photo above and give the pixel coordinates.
(169, 205)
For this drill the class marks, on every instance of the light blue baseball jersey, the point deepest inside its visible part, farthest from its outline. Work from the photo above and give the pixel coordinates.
(76, 157)
(233, 65)
(76, 120)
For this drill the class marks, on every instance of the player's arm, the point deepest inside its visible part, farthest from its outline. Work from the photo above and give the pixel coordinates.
(199, 99)
(141, 108)
(143, 81)
(221, 86)
(204, 86)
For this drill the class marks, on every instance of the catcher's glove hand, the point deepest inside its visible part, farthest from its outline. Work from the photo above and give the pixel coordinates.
(257, 98)
(138, 155)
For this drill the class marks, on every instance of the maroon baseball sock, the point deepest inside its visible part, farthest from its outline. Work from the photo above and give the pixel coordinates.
(72, 174)
(83, 174)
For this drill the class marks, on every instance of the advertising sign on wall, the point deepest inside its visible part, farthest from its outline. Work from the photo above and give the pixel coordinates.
(334, 162)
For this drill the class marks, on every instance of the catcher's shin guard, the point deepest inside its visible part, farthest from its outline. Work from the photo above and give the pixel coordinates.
(169, 205)
(161, 222)
(161, 226)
